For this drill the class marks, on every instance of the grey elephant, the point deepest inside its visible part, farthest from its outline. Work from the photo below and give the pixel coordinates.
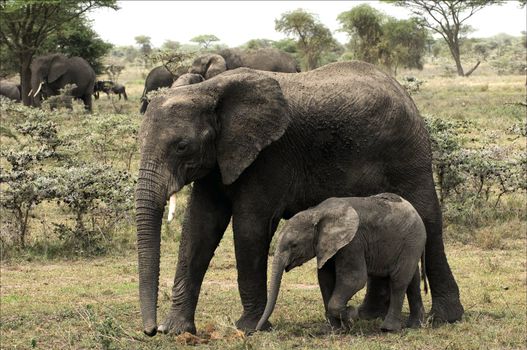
(353, 238)
(51, 73)
(268, 59)
(10, 90)
(157, 78)
(261, 146)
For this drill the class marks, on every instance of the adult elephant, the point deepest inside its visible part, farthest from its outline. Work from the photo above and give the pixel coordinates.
(268, 59)
(10, 90)
(157, 78)
(261, 146)
(50, 73)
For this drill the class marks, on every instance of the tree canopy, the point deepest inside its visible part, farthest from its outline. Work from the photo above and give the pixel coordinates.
(380, 39)
(205, 40)
(447, 18)
(313, 38)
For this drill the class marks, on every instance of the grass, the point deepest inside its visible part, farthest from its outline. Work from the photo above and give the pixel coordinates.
(87, 304)
(84, 303)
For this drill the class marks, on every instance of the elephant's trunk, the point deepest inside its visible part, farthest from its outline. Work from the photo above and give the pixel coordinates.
(150, 203)
(279, 263)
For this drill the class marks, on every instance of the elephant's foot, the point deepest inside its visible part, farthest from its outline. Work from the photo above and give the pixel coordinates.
(345, 321)
(247, 323)
(446, 309)
(370, 311)
(175, 324)
(391, 324)
(416, 319)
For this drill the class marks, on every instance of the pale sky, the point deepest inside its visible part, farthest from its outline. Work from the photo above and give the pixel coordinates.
(236, 22)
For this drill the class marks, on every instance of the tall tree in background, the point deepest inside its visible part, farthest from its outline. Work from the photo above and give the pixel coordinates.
(363, 24)
(25, 26)
(313, 37)
(446, 18)
(145, 46)
(205, 40)
(380, 39)
(403, 44)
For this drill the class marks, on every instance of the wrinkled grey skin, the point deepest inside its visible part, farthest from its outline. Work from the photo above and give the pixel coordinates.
(159, 77)
(55, 71)
(260, 146)
(268, 59)
(10, 90)
(353, 238)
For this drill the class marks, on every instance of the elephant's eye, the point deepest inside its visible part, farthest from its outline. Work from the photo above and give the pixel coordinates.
(182, 147)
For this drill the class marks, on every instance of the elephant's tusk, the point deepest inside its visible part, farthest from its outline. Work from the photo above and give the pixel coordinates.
(38, 90)
(171, 207)
(30, 91)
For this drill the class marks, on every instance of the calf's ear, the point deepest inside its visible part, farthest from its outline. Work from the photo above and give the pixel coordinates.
(335, 229)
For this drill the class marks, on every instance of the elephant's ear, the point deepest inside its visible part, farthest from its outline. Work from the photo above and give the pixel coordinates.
(57, 68)
(215, 66)
(252, 113)
(336, 228)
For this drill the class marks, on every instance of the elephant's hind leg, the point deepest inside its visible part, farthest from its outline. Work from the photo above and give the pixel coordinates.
(415, 302)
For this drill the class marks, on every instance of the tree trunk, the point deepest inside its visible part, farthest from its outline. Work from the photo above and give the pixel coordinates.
(473, 69)
(25, 77)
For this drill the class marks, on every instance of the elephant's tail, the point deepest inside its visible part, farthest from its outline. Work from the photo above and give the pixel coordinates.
(423, 272)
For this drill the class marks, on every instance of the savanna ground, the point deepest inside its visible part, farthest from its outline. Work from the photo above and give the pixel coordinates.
(92, 303)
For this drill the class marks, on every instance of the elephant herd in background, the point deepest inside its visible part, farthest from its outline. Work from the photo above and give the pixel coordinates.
(51, 73)
(210, 65)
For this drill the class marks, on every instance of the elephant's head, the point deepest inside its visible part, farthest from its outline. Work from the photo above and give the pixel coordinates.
(44, 71)
(208, 65)
(219, 124)
(321, 232)
(187, 79)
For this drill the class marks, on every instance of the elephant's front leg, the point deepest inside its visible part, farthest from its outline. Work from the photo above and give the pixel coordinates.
(252, 237)
(206, 219)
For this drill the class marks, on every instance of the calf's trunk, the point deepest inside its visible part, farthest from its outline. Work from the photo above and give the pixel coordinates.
(279, 264)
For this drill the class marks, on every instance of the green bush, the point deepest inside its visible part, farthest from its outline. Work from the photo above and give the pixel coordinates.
(472, 180)
(39, 168)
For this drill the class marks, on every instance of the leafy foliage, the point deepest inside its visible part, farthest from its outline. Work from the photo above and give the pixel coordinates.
(469, 177)
(41, 169)
(314, 39)
(205, 40)
(447, 18)
(381, 39)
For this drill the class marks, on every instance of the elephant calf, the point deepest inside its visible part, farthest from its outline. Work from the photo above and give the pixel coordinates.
(353, 238)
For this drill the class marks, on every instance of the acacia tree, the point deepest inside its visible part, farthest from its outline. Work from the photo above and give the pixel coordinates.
(25, 26)
(446, 18)
(205, 40)
(313, 37)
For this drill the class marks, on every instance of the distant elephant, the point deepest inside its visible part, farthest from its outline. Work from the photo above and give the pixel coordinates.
(268, 59)
(10, 90)
(159, 77)
(260, 146)
(51, 73)
(353, 238)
